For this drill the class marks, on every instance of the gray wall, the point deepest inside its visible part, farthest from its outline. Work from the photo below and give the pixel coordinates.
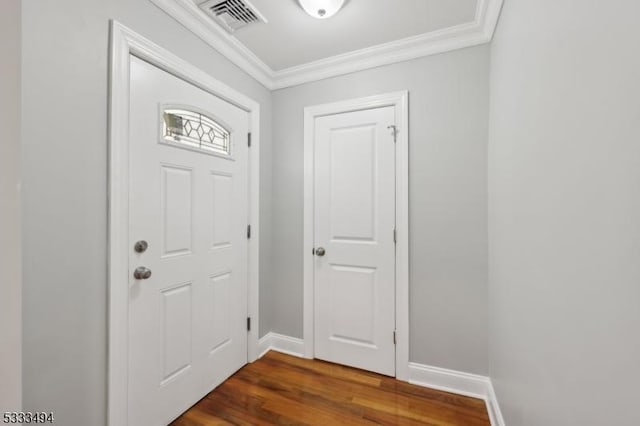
(564, 202)
(449, 98)
(65, 179)
(10, 236)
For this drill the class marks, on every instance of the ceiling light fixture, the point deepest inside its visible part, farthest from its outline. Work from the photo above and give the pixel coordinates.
(321, 9)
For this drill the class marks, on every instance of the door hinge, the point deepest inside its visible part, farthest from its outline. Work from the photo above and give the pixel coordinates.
(249, 139)
(248, 232)
(395, 236)
(394, 337)
(248, 323)
(394, 132)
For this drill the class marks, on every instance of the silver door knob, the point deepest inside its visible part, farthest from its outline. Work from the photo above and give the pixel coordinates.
(142, 273)
(320, 251)
(141, 246)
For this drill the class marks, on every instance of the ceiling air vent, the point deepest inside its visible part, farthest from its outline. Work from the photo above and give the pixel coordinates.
(232, 14)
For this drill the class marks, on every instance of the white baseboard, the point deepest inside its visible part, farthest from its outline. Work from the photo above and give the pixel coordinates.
(449, 380)
(460, 383)
(494, 408)
(281, 343)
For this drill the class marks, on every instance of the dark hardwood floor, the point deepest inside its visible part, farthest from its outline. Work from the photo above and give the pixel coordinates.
(283, 390)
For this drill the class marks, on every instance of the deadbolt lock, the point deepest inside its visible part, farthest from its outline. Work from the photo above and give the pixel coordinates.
(141, 246)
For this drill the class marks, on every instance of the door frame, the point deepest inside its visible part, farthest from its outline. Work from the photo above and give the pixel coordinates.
(400, 101)
(123, 44)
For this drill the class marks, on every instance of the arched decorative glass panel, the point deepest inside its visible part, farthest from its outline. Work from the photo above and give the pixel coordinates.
(192, 129)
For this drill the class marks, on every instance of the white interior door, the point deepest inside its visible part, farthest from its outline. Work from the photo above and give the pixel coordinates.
(189, 202)
(354, 278)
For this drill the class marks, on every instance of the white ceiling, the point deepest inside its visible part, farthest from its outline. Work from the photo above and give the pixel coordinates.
(294, 48)
(291, 37)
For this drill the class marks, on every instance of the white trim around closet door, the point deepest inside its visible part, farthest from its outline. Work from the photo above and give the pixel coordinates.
(400, 101)
(124, 44)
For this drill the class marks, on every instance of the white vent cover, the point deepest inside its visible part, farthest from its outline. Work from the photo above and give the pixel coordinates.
(232, 14)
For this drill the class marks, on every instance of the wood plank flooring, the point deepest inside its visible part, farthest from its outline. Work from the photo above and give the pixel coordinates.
(283, 390)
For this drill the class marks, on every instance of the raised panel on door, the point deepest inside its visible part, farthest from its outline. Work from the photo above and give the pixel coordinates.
(354, 221)
(176, 210)
(222, 207)
(353, 304)
(353, 190)
(176, 320)
(219, 289)
(189, 201)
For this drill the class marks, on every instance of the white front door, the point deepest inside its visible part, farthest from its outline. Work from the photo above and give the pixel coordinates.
(354, 239)
(188, 224)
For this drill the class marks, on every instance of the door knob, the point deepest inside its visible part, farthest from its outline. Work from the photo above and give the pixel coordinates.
(141, 246)
(320, 251)
(142, 273)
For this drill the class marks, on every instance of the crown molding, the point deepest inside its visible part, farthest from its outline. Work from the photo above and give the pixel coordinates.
(479, 31)
(490, 15)
(384, 54)
(196, 21)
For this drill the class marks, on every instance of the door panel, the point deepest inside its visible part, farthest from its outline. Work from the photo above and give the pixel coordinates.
(222, 192)
(219, 289)
(354, 304)
(352, 169)
(189, 201)
(176, 210)
(354, 222)
(176, 330)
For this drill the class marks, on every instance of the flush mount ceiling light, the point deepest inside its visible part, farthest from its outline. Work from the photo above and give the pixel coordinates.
(321, 9)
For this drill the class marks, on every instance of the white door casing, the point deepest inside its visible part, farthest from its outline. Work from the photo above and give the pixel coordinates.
(354, 229)
(398, 101)
(187, 321)
(129, 48)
